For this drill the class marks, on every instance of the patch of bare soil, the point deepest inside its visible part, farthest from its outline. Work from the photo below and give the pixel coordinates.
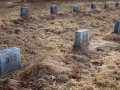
(50, 60)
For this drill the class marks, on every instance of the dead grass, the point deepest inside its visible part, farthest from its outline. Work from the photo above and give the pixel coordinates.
(50, 61)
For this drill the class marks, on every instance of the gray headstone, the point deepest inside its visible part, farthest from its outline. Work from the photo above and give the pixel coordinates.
(53, 9)
(76, 9)
(10, 60)
(117, 4)
(93, 6)
(82, 36)
(25, 11)
(117, 27)
(106, 6)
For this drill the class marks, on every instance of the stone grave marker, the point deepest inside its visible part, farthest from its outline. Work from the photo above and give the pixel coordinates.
(53, 9)
(106, 6)
(24, 11)
(117, 27)
(76, 9)
(117, 4)
(82, 37)
(10, 60)
(93, 6)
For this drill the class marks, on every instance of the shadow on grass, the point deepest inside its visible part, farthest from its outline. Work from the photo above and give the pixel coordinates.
(83, 50)
(113, 38)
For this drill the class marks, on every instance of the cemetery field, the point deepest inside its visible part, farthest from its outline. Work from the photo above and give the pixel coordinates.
(49, 58)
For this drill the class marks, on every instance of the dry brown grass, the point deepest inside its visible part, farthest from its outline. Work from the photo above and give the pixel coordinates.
(50, 61)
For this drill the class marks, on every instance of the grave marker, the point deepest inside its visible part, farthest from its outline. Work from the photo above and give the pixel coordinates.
(82, 37)
(25, 11)
(93, 6)
(117, 4)
(53, 9)
(117, 27)
(10, 60)
(106, 6)
(76, 9)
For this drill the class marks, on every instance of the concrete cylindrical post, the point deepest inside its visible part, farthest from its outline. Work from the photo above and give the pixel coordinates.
(106, 6)
(82, 37)
(53, 9)
(24, 11)
(117, 4)
(93, 6)
(76, 9)
(117, 27)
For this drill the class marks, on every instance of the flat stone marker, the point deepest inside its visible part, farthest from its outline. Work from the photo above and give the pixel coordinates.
(117, 4)
(106, 6)
(10, 60)
(53, 9)
(25, 11)
(117, 27)
(82, 37)
(93, 6)
(76, 9)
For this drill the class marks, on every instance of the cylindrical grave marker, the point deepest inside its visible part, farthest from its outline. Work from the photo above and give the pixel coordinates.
(93, 6)
(53, 9)
(10, 60)
(76, 9)
(117, 4)
(82, 37)
(117, 27)
(106, 6)
(25, 11)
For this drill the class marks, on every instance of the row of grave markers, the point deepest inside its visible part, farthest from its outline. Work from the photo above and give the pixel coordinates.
(54, 8)
(10, 59)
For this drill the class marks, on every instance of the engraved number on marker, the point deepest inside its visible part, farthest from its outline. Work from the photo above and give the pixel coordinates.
(15, 57)
(8, 59)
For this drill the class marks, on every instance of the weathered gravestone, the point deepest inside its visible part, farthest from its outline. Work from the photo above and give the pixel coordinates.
(93, 6)
(82, 37)
(53, 9)
(10, 60)
(117, 4)
(76, 9)
(117, 27)
(106, 6)
(25, 11)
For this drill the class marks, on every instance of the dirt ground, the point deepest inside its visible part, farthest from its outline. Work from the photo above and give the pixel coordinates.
(48, 56)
